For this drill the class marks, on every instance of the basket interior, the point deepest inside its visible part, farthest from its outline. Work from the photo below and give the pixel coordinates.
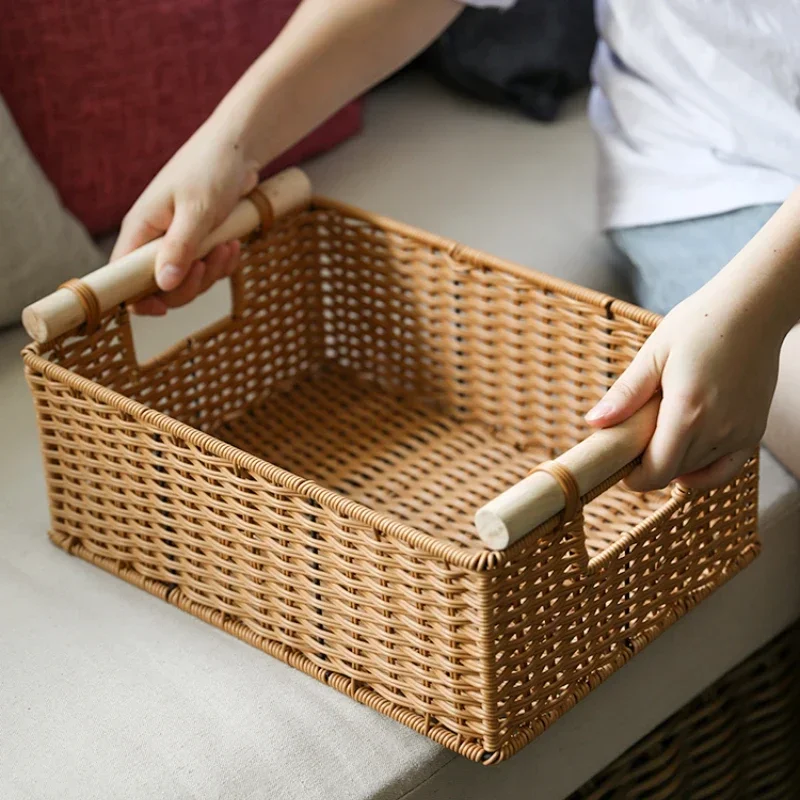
(382, 364)
(411, 459)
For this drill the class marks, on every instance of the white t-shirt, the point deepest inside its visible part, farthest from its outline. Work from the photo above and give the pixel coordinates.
(695, 104)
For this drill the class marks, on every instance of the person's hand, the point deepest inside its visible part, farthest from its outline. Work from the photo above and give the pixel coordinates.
(716, 364)
(191, 195)
(315, 66)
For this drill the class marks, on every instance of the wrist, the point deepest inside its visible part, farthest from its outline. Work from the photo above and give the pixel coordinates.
(756, 304)
(763, 279)
(234, 126)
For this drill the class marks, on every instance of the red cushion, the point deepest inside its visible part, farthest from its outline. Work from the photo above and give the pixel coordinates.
(104, 91)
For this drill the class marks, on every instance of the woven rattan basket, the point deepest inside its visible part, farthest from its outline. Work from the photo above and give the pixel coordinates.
(739, 740)
(305, 473)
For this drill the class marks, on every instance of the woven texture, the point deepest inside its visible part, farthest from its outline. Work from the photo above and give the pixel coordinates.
(304, 475)
(739, 740)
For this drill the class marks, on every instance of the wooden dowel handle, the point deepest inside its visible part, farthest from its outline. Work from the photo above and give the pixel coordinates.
(133, 276)
(538, 497)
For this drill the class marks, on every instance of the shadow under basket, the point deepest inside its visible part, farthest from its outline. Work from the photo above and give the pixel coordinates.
(304, 474)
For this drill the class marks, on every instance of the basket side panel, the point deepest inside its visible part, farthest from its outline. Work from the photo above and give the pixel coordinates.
(405, 624)
(369, 614)
(274, 338)
(538, 625)
(489, 343)
(150, 502)
(582, 628)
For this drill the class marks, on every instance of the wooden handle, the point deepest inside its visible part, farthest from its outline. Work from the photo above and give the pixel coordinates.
(537, 498)
(133, 276)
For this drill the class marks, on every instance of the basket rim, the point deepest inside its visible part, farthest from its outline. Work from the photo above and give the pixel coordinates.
(477, 558)
(473, 257)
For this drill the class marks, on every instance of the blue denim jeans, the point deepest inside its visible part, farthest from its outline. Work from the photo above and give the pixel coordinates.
(668, 262)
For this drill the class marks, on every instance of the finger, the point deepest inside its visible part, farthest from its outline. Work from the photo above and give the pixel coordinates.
(134, 233)
(702, 453)
(236, 252)
(152, 306)
(189, 289)
(178, 251)
(718, 473)
(664, 454)
(216, 265)
(630, 392)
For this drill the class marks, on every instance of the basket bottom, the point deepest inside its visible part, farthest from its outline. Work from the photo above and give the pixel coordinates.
(404, 456)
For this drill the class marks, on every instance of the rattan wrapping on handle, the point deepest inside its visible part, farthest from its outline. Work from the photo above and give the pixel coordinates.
(538, 497)
(133, 275)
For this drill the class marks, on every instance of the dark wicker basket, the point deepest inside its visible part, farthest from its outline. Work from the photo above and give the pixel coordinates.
(738, 740)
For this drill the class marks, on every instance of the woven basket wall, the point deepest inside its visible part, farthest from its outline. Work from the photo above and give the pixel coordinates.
(304, 475)
(739, 740)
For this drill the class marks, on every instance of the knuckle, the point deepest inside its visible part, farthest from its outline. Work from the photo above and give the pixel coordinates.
(733, 430)
(139, 221)
(177, 248)
(732, 436)
(250, 180)
(692, 400)
(726, 431)
(692, 406)
(624, 389)
(198, 205)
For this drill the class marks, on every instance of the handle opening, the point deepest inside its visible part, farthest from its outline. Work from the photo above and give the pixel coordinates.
(133, 275)
(600, 561)
(155, 337)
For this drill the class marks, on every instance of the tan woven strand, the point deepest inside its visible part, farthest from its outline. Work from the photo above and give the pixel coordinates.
(304, 474)
(89, 303)
(265, 211)
(568, 485)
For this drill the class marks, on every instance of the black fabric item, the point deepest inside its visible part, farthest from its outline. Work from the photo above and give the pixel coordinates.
(531, 56)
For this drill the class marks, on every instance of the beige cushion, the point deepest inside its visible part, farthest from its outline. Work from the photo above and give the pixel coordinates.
(41, 243)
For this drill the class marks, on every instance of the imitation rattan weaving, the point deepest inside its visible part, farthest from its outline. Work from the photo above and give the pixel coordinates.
(739, 740)
(304, 475)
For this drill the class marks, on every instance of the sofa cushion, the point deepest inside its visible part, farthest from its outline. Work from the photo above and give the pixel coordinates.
(104, 91)
(41, 243)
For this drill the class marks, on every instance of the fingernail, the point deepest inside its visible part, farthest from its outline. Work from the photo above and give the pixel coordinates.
(168, 277)
(601, 410)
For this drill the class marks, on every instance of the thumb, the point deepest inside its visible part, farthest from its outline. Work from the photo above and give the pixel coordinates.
(630, 392)
(190, 225)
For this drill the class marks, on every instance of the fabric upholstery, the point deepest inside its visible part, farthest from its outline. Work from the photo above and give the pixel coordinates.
(104, 91)
(41, 243)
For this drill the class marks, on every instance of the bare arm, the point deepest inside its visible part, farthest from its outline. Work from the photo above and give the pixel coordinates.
(763, 280)
(330, 52)
(715, 358)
